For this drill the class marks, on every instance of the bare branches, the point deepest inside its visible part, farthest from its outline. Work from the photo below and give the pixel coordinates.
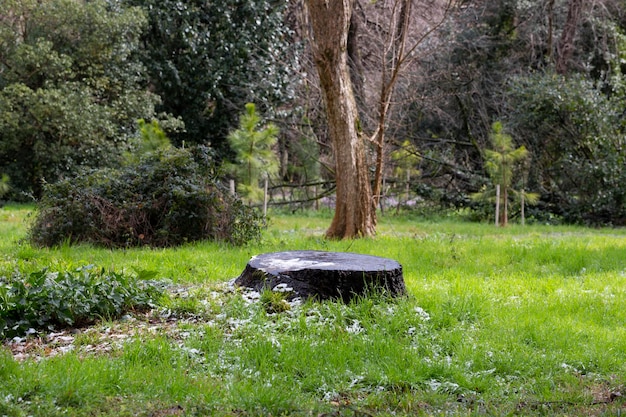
(566, 44)
(397, 54)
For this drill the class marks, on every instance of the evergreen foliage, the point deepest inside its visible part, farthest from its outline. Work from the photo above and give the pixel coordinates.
(70, 88)
(500, 163)
(151, 138)
(578, 135)
(5, 184)
(206, 59)
(255, 158)
(406, 159)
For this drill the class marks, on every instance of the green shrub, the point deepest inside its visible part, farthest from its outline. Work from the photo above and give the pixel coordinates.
(576, 133)
(169, 197)
(45, 300)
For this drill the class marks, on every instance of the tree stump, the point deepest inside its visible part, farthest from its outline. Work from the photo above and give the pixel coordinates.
(322, 275)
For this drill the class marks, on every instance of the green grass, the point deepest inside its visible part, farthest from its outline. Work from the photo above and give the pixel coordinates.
(516, 321)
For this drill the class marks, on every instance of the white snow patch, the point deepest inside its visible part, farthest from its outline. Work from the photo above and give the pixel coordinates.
(282, 287)
(294, 264)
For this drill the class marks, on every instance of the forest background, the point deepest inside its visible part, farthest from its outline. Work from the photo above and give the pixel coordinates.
(75, 78)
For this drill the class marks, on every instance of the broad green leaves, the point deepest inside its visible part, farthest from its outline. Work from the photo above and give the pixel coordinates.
(43, 300)
(206, 59)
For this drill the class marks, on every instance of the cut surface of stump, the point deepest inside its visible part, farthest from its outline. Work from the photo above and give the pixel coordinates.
(322, 275)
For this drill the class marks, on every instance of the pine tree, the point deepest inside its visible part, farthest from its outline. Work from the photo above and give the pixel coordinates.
(255, 157)
(500, 163)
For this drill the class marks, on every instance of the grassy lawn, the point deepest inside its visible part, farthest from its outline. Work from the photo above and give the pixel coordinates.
(516, 321)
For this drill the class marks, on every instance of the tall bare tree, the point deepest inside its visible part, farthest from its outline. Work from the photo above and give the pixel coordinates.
(333, 39)
(399, 51)
(355, 212)
(566, 45)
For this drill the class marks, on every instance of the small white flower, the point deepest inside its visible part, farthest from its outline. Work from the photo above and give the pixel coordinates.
(357, 379)
(275, 342)
(296, 302)
(355, 327)
(422, 313)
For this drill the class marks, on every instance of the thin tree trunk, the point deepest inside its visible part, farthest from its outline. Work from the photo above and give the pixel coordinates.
(504, 192)
(408, 186)
(355, 212)
(550, 40)
(523, 214)
(505, 203)
(566, 44)
(391, 65)
(497, 204)
(265, 196)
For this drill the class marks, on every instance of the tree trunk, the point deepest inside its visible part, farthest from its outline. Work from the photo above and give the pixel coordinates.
(550, 40)
(523, 214)
(355, 61)
(566, 44)
(505, 205)
(355, 213)
(497, 205)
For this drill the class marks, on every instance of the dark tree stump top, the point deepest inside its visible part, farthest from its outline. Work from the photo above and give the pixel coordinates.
(322, 274)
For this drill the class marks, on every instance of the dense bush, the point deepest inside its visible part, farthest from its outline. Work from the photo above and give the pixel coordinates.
(45, 300)
(576, 134)
(168, 197)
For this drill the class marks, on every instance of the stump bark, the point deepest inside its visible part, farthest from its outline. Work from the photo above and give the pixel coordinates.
(323, 275)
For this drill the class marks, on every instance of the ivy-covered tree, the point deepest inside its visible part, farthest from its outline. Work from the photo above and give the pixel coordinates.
(70, 88)
(206, 59)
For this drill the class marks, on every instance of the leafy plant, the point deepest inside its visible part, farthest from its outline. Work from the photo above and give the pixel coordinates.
(274, 301)
(45, 300)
